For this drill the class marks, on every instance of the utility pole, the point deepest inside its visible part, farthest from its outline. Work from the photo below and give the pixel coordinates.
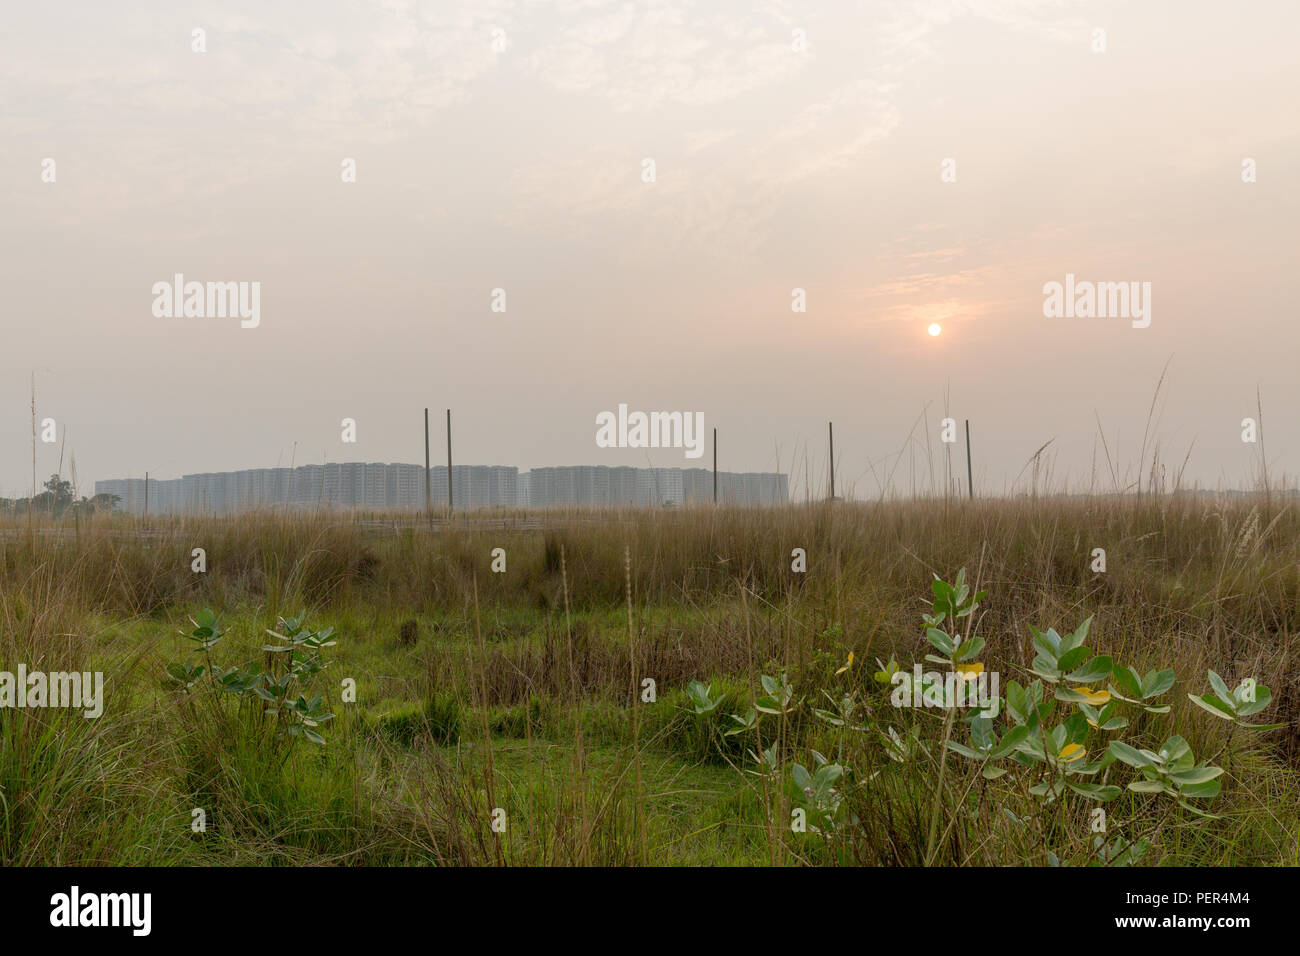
(450, 503)
(715, 466)
(831, 428)
(146, 494)
(31, 502)
(970, 484)
(428, 503)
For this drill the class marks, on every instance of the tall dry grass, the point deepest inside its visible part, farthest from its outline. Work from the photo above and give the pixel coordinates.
(591, 602)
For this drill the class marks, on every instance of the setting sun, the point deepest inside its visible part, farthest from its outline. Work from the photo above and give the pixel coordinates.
(935, 328)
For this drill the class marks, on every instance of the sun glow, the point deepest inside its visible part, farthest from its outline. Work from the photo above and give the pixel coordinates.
(935, 328)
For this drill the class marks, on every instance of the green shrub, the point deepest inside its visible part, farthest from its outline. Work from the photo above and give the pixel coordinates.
(695, 721)
(444, 716)
(519, 720)
(401, 726)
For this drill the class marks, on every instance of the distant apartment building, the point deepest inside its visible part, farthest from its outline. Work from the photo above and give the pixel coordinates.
(659, 487)
(357, 485)
(405, 485)
(748, 488)
(387, 487)
(622, 486)
(598, 485)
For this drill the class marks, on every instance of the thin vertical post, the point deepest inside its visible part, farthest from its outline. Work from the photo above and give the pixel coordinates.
(970, 484)
(715, 466)
(428, 500)
(146, 493)
(31, 502)
(831, 429)
(450, 504)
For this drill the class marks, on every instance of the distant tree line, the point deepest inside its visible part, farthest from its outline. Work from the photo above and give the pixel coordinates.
(57, 499)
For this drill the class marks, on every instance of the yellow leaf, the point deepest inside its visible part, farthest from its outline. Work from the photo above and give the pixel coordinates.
(969, 671)
(1096, 698)
(848, 666)
(1072, 752)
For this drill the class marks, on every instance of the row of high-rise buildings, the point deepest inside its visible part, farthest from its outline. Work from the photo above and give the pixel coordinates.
(396, 487)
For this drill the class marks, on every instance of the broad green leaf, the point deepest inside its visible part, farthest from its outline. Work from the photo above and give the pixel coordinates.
(1095, 790)
(1045, 667)
(1073, 658)
(1263, 697)
(1013, 739)
(1215, 706)
(1096, 669)
(1146, 786)
(1017, 705)
(1130, 684)
(1048, 642)
(1176, 750)
(1195, 776)
(940, 640)
(1202, 791)
(825, 715)
(1077, 638)
(1221, 689)
(1129, 755)
(1157, 682)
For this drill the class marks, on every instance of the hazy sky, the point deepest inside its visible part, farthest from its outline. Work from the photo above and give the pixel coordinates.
(522, 169)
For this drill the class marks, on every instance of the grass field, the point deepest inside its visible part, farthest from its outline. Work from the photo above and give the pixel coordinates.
(503, 717)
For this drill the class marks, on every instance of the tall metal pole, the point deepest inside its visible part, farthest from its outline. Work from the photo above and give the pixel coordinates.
(970, 484)
(715, 466)
(831, 427)
(450, 504)
(146, 493)
(428, 500)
